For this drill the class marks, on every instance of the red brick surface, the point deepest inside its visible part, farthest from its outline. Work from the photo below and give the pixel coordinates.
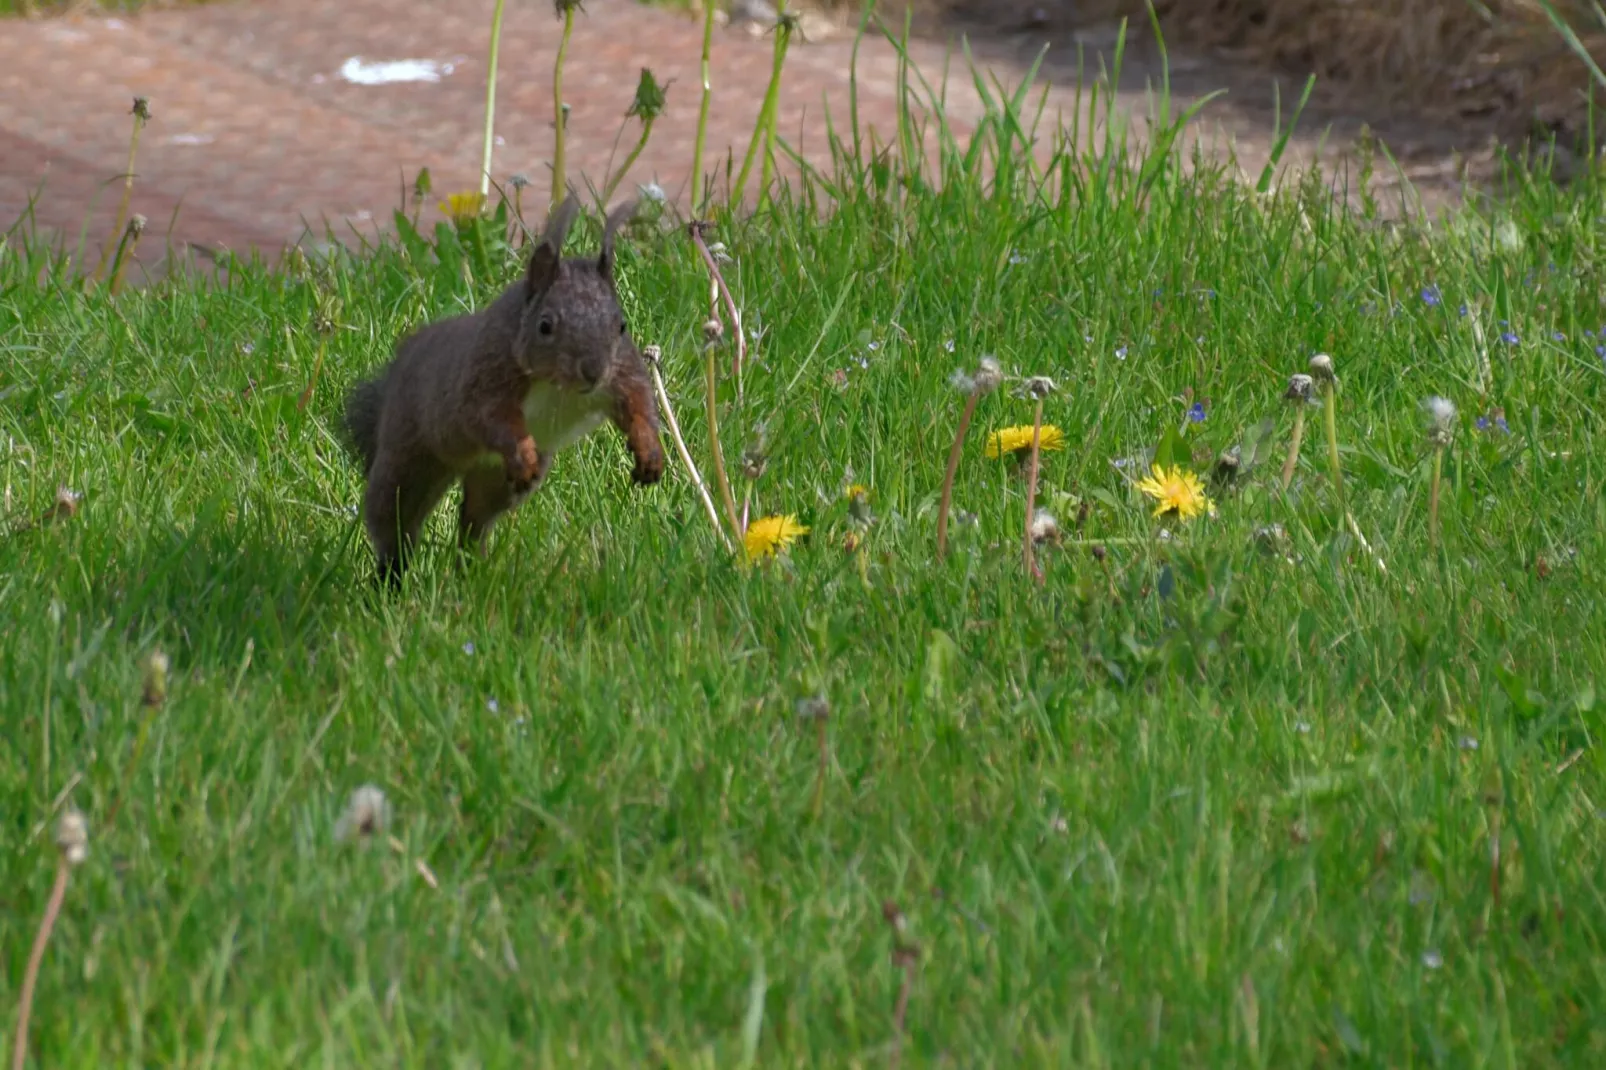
(255, 135)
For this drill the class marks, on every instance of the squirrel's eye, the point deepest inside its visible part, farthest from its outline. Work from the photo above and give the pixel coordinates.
(621, 326)
(546, 325)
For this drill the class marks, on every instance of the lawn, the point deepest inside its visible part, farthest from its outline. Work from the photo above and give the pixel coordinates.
(1300, 783)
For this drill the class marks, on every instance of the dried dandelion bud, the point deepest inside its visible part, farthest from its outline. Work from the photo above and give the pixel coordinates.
(1441, 421)
(713, 331)
(1045, 528)
(1300, 388)
(753, 466)
(519, 181)
(142, 108)
(561, 7)
(989, 376)
(154, 691)
(1038, 387)
(1271, 538)
(1099, 553)
(366, 815)
(1321, 370)
(653, 355)
(136, 224)
(1228, 463)
(72, 837)
(719, 253)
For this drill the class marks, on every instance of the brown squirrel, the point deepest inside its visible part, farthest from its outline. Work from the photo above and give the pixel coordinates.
(489, 398)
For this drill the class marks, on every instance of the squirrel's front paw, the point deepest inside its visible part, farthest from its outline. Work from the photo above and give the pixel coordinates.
(523, 466)
(649, 469)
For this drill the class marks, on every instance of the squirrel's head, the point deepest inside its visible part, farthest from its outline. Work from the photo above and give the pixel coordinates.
(572, 329)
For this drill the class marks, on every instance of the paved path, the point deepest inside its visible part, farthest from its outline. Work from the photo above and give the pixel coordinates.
(257, 134)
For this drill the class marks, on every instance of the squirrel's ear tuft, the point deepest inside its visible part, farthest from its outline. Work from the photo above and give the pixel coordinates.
(543, 269)
(610, 230)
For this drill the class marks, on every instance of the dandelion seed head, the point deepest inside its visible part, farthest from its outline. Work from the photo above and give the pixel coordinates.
(519, 181)
(1441, 420)
(72, 836)
(652, 355)
(989, 375)
(812, 708)
(713, 330)
(1044, 527)
(1321, 369)
(965, 384)
(366, 815)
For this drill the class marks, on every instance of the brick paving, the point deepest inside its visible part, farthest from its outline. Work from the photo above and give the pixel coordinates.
(256, 136)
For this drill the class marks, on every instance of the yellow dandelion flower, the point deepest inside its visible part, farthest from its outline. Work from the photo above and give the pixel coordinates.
(1019, 440)
(856, 491)
(460, 208)
(1177, 492)
(769, 535)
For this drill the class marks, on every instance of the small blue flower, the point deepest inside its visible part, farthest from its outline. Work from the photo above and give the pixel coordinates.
(1600, 351)
(1500, 424)
(1120, 354)
(1509, 338)
(1462, 310)
(1483, 423)
(1558, 336)
(1431, 296)
(1497, 421)
(1197, 413)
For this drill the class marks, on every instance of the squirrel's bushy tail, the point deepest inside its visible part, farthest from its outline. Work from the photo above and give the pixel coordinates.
(363, 406)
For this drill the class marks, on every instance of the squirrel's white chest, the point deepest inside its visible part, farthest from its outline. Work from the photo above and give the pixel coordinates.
(558, 418)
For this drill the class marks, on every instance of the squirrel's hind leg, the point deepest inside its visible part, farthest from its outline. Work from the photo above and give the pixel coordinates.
(398, 501)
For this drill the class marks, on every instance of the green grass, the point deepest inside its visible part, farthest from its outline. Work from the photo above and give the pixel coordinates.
(1196, 804)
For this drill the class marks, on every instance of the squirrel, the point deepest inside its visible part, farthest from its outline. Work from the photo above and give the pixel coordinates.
(489, 398)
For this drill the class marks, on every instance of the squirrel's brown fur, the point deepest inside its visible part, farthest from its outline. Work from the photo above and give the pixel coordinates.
(487, 399)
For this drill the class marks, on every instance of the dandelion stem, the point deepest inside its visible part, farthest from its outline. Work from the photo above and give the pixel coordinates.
(685, 454)
(125, 252)
(710, 377)
(140, 114)
(740, 359)
(490, 97)
(1031, 495)
(1293, 447)
(312, 381)
(953, 468)
(1330, 417)
(30, 978)
(702, 113)
(1433, 498)
(630, 161)
(559, 184)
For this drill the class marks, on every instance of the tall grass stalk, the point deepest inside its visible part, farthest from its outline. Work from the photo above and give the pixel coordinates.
(699, 145)
(490, 97)
(768, 115)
